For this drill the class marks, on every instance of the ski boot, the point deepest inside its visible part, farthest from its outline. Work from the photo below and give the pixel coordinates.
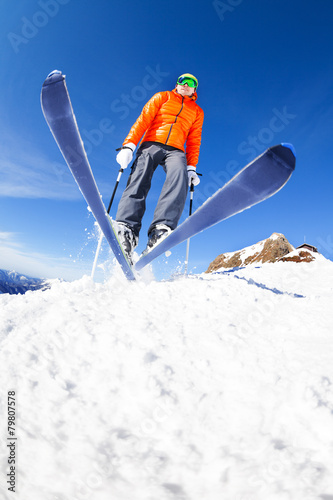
(159, 232)
(127, 239)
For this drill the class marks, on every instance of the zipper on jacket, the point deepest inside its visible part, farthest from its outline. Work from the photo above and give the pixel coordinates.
(166, 142)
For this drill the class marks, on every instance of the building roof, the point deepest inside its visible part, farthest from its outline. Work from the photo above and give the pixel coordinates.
(309, 247)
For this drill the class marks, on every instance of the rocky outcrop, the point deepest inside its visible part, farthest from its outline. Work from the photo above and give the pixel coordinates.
(270, 250)
(298, 256)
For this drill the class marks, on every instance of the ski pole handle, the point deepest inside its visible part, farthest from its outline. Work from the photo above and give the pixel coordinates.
(119, 174)
(191, 198)
(192, 194)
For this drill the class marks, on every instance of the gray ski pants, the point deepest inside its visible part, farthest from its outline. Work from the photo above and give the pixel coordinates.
(172, 199)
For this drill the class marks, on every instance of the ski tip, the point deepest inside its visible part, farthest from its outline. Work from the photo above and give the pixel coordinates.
(287, 154)
(54, 77)
(290, 146)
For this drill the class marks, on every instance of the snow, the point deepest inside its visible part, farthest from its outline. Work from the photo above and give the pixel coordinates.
(201, 388)
(275, 236)
(247, 252)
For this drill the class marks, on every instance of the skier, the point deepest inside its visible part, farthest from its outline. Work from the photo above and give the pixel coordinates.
(167, 121)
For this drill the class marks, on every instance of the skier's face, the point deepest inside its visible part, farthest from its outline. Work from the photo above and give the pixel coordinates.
(185, 90)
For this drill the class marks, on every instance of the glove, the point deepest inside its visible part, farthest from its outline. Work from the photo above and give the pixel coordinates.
(125, 155)
(192, 176)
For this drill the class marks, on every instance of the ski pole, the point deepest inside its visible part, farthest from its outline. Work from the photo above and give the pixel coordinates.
(190, 213)
(108, 211)
(188, 241)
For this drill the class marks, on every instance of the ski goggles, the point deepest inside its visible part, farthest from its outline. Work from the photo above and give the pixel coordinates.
(191, 82)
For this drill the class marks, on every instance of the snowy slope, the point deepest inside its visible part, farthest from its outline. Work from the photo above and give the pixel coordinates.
(207, 388)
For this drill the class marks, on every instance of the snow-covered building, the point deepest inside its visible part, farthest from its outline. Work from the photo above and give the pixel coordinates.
(306, 246)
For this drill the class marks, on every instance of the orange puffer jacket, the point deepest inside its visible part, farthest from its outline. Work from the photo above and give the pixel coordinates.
(172, 119)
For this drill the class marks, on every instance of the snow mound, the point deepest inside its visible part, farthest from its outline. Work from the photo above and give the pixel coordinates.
(216, 386)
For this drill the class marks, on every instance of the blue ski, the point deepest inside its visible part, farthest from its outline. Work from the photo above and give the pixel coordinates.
(256, 182)
(58, 112)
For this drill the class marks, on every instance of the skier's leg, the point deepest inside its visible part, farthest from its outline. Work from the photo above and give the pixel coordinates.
(132, 205)
(173, 195)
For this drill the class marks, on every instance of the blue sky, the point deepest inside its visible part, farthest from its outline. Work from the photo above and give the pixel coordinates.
(265, 76)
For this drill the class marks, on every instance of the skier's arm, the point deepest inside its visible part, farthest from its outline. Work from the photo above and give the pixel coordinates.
(145, 119)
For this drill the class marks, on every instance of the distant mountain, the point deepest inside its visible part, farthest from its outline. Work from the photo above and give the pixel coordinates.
(269, 250)
(14, 283)
(273, 249)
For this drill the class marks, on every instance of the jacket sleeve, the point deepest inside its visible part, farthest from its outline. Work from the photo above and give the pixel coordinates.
(194, 139)
(145, 119)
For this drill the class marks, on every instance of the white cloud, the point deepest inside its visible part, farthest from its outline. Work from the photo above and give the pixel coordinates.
(25, 172)
(15, 257)
(6, 237)
(29, 176)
